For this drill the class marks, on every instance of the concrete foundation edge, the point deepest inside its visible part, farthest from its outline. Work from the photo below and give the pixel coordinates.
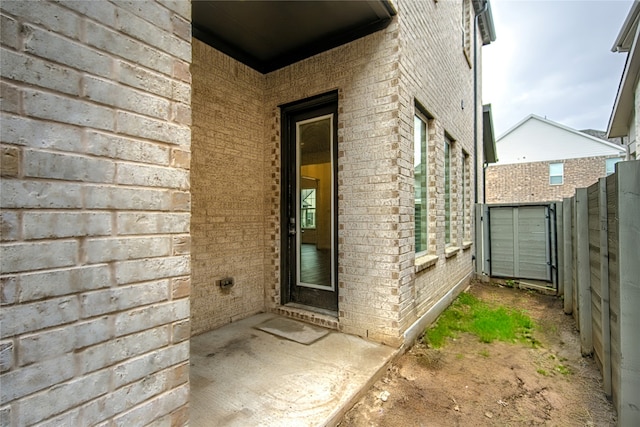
(412, 333)
(339, 413)
(410, 336)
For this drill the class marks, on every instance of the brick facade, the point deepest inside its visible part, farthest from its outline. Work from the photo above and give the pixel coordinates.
(437, 74)
(95, 213)
(228, 187)
(132, 183)
(236, 173)
(529, 182)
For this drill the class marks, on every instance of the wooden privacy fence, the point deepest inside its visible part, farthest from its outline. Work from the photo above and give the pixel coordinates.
(601, 281)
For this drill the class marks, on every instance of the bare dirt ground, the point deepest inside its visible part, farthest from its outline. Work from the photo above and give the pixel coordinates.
(469, 383)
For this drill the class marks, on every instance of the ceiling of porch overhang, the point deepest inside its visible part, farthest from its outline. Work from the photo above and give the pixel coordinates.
(268, 35)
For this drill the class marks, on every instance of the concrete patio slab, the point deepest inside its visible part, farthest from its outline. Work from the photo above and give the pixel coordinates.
(242, 376)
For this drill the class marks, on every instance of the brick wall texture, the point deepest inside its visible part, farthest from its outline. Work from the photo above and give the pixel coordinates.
(235, 175)
(139, 167)
(95, 198)
(529, 182)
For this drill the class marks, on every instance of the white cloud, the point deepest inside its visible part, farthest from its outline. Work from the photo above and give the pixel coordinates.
(552, 58)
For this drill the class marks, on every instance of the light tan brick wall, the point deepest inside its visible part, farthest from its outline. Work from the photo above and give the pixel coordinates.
(378, 78)
(228, 186)
(95, 213)
(365, 72)
(437, 74)
(529, 182)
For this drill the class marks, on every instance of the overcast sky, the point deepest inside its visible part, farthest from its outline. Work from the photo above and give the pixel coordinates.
(553, 58)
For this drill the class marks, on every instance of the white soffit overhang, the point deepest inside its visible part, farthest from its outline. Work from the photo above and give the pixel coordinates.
(627, 41)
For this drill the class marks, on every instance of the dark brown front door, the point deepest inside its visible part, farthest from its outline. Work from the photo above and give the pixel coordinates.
(309, 243)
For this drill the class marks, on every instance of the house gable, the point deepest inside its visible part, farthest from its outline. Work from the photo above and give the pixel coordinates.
(624, 120)
(538, 140)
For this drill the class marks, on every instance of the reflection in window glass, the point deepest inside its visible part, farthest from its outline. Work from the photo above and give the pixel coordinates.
(465, 210)
(447, 191)
(308, 209)
(420, 175)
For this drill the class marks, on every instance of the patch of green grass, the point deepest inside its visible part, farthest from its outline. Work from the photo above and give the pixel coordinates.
(469, 314)
(484, 353)
(542, 372)
(563, 370)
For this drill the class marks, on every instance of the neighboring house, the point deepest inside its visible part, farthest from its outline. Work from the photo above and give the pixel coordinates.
(156, 185)
(625, 117)
(540, 160)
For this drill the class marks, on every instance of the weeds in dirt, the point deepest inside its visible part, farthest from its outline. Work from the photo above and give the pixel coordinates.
(484, 353)
(563, 370)
(469, 314)
(542, 372)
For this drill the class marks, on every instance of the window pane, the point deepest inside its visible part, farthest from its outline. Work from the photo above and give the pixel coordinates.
(308, 208)
(556, 173)
(555, 180)
(556, 168)
(611, 165)
(447, 191)
(420, 177)
(465, 159)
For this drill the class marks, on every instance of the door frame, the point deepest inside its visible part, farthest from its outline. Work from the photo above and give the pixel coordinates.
(288, 255)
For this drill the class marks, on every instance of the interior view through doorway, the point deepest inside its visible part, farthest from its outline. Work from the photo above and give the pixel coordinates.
(309, 242)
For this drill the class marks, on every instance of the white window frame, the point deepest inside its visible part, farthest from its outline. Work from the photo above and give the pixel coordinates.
(554, 174)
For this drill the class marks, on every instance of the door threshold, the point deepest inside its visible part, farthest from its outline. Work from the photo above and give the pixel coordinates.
(313, 309)
(313, 315)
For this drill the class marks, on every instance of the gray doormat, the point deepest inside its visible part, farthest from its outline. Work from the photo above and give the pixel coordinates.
(293, 330)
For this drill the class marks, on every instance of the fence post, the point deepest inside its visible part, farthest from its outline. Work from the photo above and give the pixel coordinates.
(479, 238)
(567, 220)
(575, 303)
(604, 286)
(584, 281)
(486, 244)
(628, 407)
(558, 255)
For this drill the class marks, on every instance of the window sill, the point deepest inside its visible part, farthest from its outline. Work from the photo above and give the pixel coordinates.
(466, 244)
(451, 251)
(424, 262)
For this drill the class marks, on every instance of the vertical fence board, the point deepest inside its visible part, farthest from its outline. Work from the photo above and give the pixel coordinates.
(628, 406)
(593, 197)
(574, 264)
(558, 255)
(614, 283)
(604, 287)
(584, 288)
(567, 217)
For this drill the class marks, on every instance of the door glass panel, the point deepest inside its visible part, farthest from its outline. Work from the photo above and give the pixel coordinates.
(315, 203)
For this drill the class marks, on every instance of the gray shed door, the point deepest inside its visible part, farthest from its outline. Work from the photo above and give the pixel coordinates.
(520, 242)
